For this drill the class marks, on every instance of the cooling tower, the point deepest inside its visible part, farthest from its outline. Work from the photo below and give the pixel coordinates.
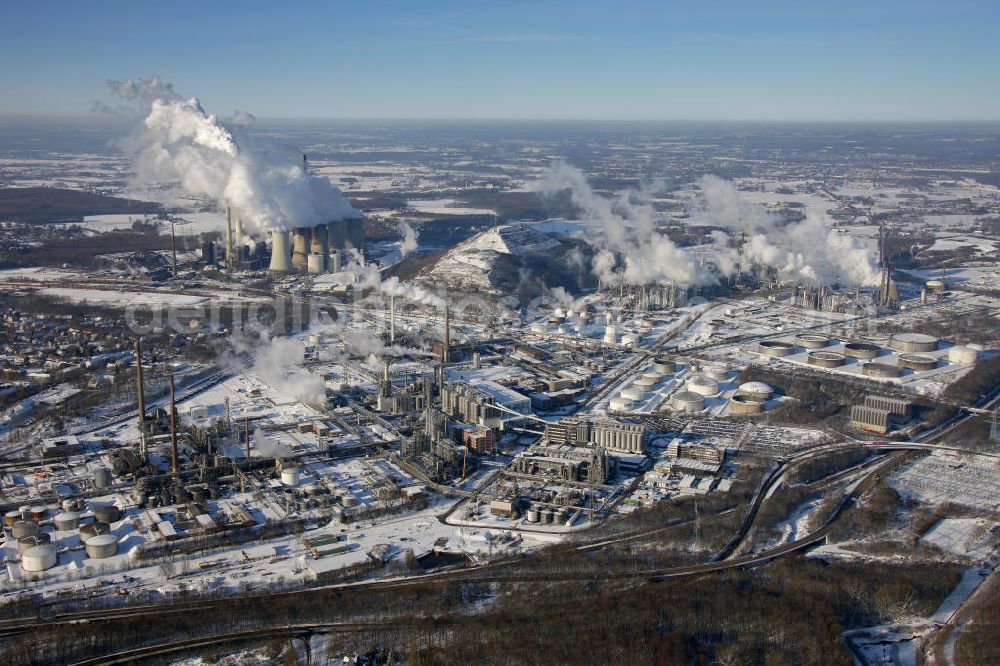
(280, 256)
(300, 248)
(317, 263)
(356, 234)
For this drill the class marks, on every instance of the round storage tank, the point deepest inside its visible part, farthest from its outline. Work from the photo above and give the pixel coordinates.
(664, 366)
(812, 340)
(960, 354)
(38, 513)
(703, 385)
(11, 517)
(108, 513)
(688, 401)
(38, 558)
(718, 372)
(67, 521)
(533, 515)
(825, 359)
(547, 516)
(745, 404)
(23, 528)
(756, 390)
(620, 405)
(775, 348)
(610, 335)
(632, 394)
(24, 543)
(881, 370)
(653, 378)
(630, 339)
(69, 505)
(643, 384)
(917, 362)
(290, 476)
(936, 285)
(913, 342)
(102, 546)
(93, 529)
(862, 350)
(102, 477)
(25, 512)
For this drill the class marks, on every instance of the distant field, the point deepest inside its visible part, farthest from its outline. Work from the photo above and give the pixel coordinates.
(39, 205)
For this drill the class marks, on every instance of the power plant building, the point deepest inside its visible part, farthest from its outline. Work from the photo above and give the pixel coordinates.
(485, 403)
(612, 435)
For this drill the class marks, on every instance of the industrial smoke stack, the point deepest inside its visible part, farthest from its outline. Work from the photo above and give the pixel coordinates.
(447, 334)
(138, 384)
(229, 238)
(281, 261)
(173, 247)
(300, 248)
(173, 426)
(392, 320)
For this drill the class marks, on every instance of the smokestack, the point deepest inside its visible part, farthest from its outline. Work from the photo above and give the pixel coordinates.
(300, 249)
(305, 163)
(238, 242)
(392, 320)
(173, 426)
(447, 334)
(138, 384)
(246, 436)
(281, 261)
(229, 238)
(173, 246)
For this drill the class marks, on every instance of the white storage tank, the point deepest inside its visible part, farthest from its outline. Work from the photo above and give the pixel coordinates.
(688, 401)
(109, 513)
(630, 339)
(102, 546)
(610, 335)
(67, 521)
(290, 476)
(316, 263)
(960, 354)
(703, 385)
(23, 528)
(718, 372)
(38, 558)
(632, 394)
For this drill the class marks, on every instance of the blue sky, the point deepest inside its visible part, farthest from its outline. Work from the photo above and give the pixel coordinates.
(697, 59)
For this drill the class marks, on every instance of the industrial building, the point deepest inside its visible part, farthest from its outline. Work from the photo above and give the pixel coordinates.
(879, 413)
(484, 403)
(613, 435)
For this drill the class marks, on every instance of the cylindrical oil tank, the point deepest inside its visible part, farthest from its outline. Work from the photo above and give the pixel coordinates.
(745, 404)
(11, 517)
(664, 366)
(93, 529)
(66, 521)
(70, 505)
(756, 390)
(959, 354)
(23, 528)
(688, 401)
(38, 558)
(24, 543)
(102, 546)
(316, 263)
(936, 285)
(719, 373)
(630, 339)
(533, 514)
(643, 384)
(913, 342)
(109, 513)
(102, 477)
(881, 370)
(775, 348)
(290, 476)
(653, 378)
(610, 335)
(25, 512)
(620, 405)
(38, 513)
(825, 359)
(917, 362)
(547, 516)
(812, 340)
(862, 350)
(348, 501)
(632, 394)
(703, 385)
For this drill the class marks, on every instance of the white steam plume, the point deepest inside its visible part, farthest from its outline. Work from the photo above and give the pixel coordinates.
(179, 141)
(808, 251)
(629, 234)
(408, 243)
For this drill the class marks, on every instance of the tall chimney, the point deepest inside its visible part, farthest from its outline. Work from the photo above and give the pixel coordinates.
(229, 238)
(173, 426)
(305, 163)
(281, 261)
(173, 246)
(447, 334)
(138, 384)
(392, 320)
(246, 435)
